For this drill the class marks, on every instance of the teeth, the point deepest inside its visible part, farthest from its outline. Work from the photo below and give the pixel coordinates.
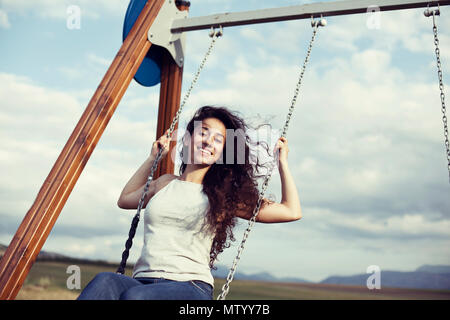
(205, 151)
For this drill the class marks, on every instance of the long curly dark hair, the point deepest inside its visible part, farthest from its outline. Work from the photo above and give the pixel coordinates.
(238, 179)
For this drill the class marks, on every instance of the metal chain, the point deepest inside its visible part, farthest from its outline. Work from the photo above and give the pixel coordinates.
(214, 35)
(226, 286)
(441, 86)
(299, 83)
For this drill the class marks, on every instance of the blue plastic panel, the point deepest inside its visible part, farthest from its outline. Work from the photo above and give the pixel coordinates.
(149, 72)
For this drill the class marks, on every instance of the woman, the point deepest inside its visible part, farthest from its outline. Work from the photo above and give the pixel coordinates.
(189, 218)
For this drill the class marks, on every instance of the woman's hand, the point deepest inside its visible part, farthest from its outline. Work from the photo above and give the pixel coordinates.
(289, 208)
(282, 150)
(162, 143)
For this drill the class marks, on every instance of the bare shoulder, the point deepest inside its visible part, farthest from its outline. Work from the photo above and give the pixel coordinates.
(167, 177)
(164, 180)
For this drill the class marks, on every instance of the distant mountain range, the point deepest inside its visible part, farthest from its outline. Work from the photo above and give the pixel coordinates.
(424, 277)
(222, 272)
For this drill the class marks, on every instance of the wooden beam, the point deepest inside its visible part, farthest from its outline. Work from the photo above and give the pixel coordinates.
(169, 103)
(39, 220)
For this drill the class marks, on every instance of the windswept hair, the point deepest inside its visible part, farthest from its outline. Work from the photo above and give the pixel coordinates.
(228, 185)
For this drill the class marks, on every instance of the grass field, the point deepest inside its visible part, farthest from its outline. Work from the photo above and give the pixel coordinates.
(47, 281)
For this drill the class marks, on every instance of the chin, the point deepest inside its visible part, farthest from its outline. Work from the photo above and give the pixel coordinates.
(199, 160)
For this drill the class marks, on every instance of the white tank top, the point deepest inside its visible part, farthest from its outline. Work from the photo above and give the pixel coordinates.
(175, 245)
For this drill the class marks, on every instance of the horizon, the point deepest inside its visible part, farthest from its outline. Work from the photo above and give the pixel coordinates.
(238, 273)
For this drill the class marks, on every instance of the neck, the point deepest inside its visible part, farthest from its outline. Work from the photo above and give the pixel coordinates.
(194, 173)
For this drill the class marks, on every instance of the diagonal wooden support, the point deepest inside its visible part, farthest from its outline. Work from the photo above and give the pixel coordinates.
(39, 220)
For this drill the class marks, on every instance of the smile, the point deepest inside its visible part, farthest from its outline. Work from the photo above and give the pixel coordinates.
(205, 152)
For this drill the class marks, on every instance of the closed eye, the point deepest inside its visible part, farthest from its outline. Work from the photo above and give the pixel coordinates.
(218, 138)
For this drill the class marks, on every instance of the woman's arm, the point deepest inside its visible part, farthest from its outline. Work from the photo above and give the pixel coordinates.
(289, 209)
(132, 192)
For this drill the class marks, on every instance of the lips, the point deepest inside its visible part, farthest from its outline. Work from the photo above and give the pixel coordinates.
(205, 152)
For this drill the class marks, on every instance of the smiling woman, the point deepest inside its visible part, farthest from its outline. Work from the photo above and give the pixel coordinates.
(208, 141)
(189, 218)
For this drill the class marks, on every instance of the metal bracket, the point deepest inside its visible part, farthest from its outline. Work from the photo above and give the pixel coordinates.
(429, 13)
(160, 34)
(320, 23)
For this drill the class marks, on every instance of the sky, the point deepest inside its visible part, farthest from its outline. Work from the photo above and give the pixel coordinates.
(366, 139)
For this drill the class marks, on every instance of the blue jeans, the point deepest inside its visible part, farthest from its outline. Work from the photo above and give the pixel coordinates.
(114, 286)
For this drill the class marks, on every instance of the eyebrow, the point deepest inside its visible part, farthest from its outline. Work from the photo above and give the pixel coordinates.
(204, 126)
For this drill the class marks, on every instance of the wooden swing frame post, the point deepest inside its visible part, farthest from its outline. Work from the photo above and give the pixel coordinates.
(169, 102)
(40, 219)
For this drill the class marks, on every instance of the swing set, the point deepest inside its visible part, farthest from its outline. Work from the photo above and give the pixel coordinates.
(153, 52)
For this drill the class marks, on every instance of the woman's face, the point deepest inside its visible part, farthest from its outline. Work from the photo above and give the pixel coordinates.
(208, 141)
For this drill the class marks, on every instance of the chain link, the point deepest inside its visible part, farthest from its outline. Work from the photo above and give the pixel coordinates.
(297, 88)
(442, 96)
(226, 286)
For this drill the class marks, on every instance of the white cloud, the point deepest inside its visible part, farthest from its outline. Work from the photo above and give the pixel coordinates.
(91, 64)
(408, 224)
(4, 21)
(28, 105)
(77, 250)
(99, 60)
(57, 9)
(252, 34)
(71, 73)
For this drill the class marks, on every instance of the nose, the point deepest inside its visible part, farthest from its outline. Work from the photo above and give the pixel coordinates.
(209, 140)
